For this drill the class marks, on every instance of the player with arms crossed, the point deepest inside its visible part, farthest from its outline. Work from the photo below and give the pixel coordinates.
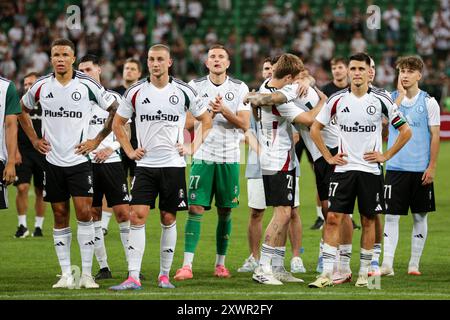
(410, 174)
(358, 113)
(160, 103)
(65, 97)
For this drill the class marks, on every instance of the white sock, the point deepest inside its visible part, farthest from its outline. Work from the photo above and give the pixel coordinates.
(124, 228)
(62, 239)
(418, 238)
(319, 212)
(337, 260)
(320, 248)
(390, 239)
(23, 220)
(345, 255)
(39, 222)
(188, 259)
(167, 247)
(106, 216)
(99, 247)
(85, 237)
(365, 257)
(278, 257)
(376, 253)
(329, 255)
(267, 253)
(220, 260)
(136, 247)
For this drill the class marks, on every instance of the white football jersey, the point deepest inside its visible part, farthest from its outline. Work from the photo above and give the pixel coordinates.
(277, 145)
(329, 133)
(66, 111)
(160, 119)
(97, 123)
(222, 143)
(359, 121)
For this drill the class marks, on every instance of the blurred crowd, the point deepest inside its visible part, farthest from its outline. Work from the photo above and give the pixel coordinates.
(25, 39)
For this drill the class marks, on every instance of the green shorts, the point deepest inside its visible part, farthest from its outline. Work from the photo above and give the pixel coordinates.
(208, 179)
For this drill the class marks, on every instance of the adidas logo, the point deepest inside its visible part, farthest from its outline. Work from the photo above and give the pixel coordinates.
(131, 248)
(205, 95)
(126, 198)
(260, 278)
(60, 244)
(385, 235)
(91, 190)
(90, 243)
(146, 101)
(346, 109)
(378, 208)
(420, 236)
(182, 204)
(168, 250)
(96, 239)
(50, 95)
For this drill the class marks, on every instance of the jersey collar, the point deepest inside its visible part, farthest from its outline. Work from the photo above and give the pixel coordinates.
(368, 90)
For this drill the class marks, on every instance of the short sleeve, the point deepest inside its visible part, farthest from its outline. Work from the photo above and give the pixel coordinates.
(125, 109)
(324, 116)
(289, 91)
(391, 111)
(243, 91)
(434, 112)
(98, 94)
(31, 97)
(289, 111)
(196, 105)
(12, 100)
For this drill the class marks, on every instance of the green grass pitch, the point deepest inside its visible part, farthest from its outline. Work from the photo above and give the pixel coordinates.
(28, 267)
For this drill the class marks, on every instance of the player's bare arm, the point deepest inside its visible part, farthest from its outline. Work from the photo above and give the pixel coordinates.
(240, 120)
(252, 141)
(118, 127)
(265, 99)
(429, 174)
(307, 118)
(199, 137)
(41, 145)
(405, 134)
(91, 144)
(316, 136)
(9, 174)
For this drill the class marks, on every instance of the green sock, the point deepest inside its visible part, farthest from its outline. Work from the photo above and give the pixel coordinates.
(223, 233)
(192, 232)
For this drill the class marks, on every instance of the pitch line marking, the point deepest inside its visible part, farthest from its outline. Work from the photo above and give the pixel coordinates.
(130, 294)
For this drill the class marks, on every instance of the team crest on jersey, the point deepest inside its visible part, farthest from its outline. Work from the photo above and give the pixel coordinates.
(76, 96)
(371, 110)
(174, 99)
(181, 194)
(420, 109)
(229, 96)
(193, 196)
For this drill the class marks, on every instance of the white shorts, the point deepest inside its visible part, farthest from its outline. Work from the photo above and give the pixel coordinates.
(256, 197)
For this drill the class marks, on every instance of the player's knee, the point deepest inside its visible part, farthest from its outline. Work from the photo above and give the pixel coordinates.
(23, 189)
(367, 222)
(167, 218)
(196, 209)
(96, 214)
(256, 215)
(333, 219)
